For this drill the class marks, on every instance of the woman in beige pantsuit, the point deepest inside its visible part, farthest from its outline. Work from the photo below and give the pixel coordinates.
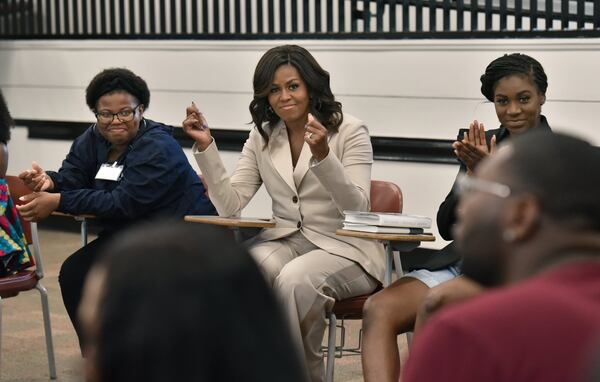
(315, 162)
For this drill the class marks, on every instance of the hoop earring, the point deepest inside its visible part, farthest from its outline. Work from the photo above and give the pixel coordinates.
(269, 113)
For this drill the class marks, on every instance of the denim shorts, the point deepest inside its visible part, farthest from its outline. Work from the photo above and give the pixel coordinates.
(434, 278)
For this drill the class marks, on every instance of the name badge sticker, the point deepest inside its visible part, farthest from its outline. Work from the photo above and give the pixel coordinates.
(110, 172)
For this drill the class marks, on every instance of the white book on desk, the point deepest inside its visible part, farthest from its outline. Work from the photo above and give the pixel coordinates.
(387, 219)
(378, 229)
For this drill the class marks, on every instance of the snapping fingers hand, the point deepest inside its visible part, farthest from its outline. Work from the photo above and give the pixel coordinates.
(316, 138)
(196, 127)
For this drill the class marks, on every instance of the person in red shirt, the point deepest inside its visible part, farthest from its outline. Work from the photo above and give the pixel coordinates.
(534, 206)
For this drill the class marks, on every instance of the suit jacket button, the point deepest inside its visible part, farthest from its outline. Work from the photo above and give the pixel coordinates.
(299, 224)
(295, 199)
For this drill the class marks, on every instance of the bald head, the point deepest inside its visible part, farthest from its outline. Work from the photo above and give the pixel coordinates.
(563, 172)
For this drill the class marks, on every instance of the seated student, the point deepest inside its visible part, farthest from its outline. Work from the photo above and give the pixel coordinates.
(182, 302)
(538, 219)
(315, 162)
(519, 110)
(14, 253)
(516, 84)
(123, 169)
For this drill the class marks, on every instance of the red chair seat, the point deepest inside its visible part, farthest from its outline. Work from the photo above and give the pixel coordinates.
(10, 286)
(351, 308)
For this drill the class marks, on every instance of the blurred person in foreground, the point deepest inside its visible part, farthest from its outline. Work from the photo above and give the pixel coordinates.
(535, 207)
(182, 302)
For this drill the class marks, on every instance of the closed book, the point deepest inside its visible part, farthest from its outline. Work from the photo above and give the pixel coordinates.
(379, 229)
(387, 219)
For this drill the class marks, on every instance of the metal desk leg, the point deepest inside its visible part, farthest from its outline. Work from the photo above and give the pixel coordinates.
(398, 264)
(84, 232)
(387, 280)
(402, 246)
(237, 234)
(405, 246)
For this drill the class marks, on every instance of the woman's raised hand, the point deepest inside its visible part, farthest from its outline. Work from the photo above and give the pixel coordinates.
(316, 137)
(196, 127)
(37, 179)
(473, 147)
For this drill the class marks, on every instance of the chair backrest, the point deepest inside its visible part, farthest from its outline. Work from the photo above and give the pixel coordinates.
(385, 197)
(17, 189)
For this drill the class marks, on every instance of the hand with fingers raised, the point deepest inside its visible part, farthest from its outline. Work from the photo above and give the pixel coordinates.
(473, 148)
(37, 179)
(196, 127)
(316, 138)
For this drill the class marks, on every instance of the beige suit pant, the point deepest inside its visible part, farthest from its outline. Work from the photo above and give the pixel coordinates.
(308, 280)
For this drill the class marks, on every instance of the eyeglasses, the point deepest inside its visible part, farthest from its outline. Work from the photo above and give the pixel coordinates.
(466, 184)
(125, 115)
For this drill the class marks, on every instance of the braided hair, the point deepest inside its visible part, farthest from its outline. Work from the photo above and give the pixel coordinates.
(511, 64)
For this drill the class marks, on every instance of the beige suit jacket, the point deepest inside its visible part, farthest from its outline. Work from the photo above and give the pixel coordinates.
(310, 197)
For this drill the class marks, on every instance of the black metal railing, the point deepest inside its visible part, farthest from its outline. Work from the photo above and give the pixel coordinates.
(264, 19)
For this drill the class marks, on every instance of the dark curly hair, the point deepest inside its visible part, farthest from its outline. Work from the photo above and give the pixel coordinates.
(322, 101)
(511, 64)
(6, 121)
(115, 79)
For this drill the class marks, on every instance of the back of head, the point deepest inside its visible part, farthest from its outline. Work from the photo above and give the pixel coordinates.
(562, 171)
(184, 302)
(6, 121)
(509, 65)
(117, 79)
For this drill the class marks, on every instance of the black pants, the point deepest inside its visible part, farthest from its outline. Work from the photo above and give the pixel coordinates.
(73, 273)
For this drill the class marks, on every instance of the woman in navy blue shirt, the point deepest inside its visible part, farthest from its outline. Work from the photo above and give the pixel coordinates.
(123, 169)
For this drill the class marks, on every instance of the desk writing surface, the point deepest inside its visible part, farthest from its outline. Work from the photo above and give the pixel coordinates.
(231, 221)
(385, 236)
(76, 217)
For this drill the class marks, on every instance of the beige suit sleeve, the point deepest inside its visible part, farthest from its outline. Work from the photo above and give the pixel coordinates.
(229, 194)
(348, 179)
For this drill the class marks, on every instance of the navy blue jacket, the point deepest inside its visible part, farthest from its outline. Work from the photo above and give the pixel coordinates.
(157, 180)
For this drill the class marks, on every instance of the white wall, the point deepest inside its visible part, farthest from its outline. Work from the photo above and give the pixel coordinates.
(420, 89)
